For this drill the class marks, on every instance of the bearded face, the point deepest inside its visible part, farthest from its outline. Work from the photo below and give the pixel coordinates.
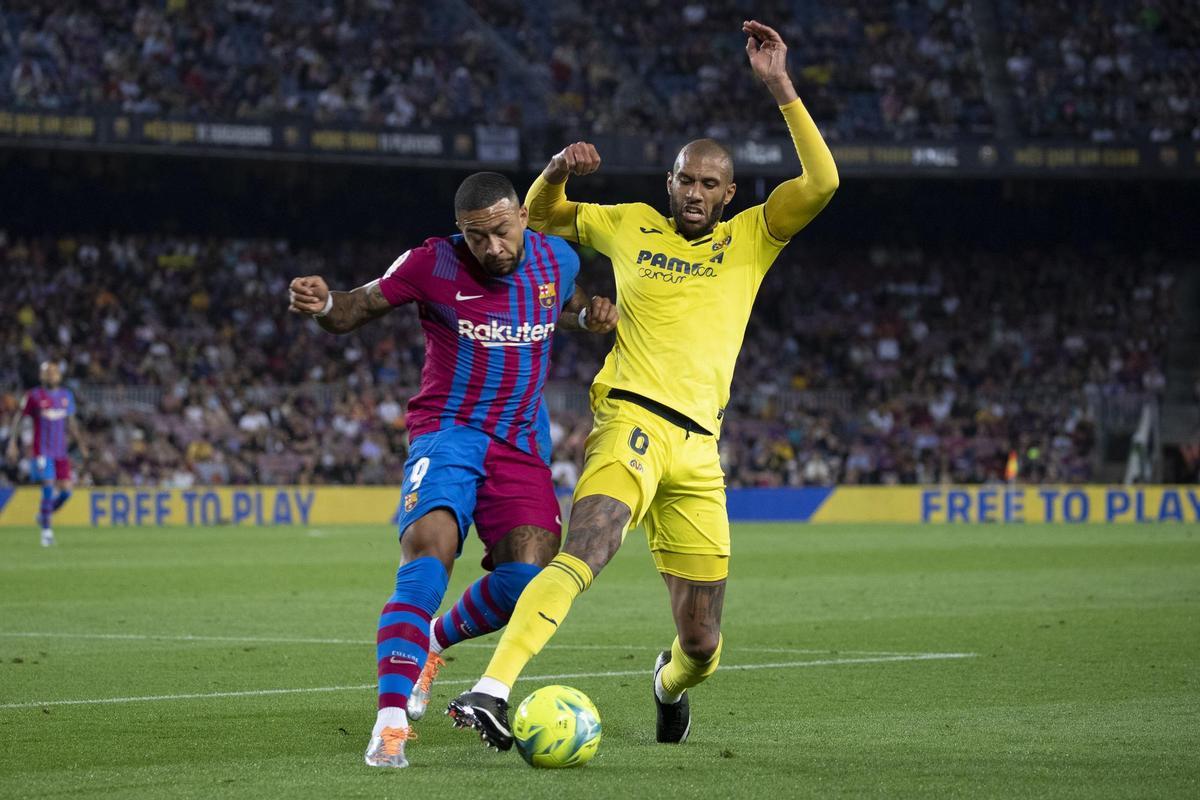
(699, 186)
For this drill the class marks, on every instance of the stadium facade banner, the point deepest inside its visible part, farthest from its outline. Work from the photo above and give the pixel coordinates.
(488, 145)
(105, 507)
(1033, 159)
(502, 146)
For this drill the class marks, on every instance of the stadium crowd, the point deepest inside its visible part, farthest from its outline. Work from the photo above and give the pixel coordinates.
(883, 365)
(1102, 70)
(929, 367)
(1106, 70)
(865, 70)
(378, 62)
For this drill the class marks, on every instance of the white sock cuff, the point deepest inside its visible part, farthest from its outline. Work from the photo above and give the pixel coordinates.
(493, 687)
(390, 717)
(435, 646)
(661, 693)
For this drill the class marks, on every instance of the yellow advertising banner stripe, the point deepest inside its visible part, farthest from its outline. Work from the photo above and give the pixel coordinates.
(1011, 504)
(103, 507)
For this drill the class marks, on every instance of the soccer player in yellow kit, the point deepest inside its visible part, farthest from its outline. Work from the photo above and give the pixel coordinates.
(685, 287)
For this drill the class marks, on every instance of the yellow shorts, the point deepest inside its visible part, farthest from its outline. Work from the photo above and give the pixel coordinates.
(669, 478)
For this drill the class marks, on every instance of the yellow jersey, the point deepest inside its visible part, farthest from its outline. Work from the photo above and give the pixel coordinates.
(684, 304)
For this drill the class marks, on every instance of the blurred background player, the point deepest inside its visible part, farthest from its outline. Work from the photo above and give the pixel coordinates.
(51, 407)
(490, 300)
(685, 286)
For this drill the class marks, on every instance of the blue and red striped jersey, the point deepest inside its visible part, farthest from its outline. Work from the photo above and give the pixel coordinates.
(487, 339)
(50, 409)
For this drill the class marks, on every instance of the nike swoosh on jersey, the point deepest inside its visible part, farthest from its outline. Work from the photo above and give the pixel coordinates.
(461, 296)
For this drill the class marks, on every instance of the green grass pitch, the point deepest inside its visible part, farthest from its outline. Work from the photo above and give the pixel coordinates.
(880, 661)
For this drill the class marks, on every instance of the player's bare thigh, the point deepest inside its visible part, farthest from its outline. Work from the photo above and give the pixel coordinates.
(434, 534)
(697, 607)
(526, 544)
(595, 531)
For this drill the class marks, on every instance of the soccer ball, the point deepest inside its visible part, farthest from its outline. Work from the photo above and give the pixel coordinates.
(557, 726)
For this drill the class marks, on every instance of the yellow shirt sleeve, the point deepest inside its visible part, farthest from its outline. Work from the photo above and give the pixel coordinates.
(588, 224)
(796, 202)
(549, 209)
(751, 226)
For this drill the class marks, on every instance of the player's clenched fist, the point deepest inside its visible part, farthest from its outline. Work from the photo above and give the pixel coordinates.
(602, 315)
(580, 158)
(308, 295)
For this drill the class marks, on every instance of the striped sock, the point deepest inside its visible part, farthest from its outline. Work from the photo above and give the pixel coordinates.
(484, 607)
(63, 496)
(47, 507)
(403, 639)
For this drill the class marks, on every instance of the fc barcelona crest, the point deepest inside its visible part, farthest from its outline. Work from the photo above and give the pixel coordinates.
(547, 295)
(410, 501)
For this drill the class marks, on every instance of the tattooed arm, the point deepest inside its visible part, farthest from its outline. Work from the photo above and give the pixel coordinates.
(337, 312)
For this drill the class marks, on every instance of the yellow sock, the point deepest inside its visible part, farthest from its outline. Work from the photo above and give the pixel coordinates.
(541, 609)
(684, 671)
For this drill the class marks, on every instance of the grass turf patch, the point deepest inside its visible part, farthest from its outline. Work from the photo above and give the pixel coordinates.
(1083, 679)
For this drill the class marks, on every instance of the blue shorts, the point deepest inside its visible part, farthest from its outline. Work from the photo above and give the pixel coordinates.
(44, 469)
(481, 480)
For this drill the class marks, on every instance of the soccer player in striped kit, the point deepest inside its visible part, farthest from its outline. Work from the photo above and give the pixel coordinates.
(490, 300)
(51, 406)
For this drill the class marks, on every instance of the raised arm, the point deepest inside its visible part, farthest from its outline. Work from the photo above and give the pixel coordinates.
(599, 313)
(337, 312)
(794, 203)
(549, 210)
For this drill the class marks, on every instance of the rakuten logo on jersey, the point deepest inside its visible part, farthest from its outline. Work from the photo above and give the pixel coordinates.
(494, 334)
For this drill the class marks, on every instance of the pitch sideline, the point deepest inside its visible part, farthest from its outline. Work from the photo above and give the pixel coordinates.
(147, 637)
(558, 676)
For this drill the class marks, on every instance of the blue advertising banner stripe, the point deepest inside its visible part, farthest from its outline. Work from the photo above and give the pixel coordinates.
(776, 504)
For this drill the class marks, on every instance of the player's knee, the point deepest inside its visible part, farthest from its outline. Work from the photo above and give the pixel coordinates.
(595, 551)
(596, 530)
(700, 645)
(527, 544)
(435, 535)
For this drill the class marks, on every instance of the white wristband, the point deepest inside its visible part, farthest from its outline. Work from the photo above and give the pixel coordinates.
(583, 318)
(328, 307)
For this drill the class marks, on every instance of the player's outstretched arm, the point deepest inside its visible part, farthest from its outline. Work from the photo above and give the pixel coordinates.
(549, 210)
(337, 312)
(794, 203)
(597, 315)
